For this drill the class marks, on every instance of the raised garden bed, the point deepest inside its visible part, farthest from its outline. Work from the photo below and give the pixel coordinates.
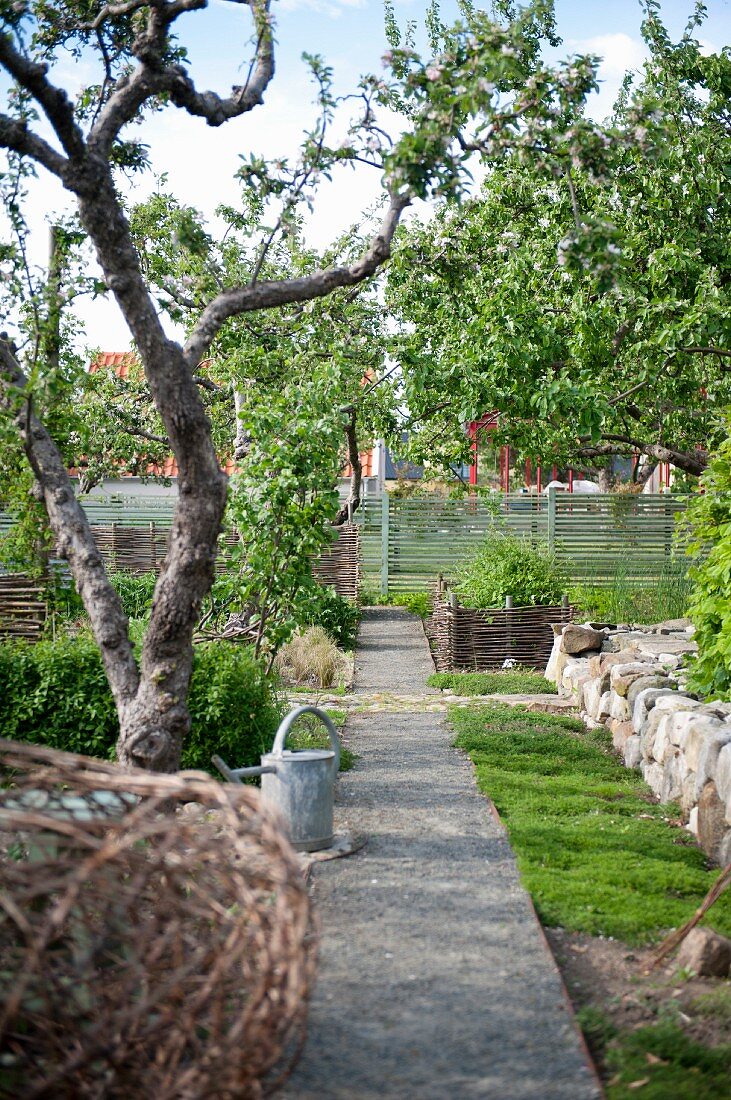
(468, 639)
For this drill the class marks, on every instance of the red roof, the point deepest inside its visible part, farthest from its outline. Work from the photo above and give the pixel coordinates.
(119, 361)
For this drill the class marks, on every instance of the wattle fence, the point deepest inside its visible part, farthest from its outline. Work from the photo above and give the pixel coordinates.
(399, 545)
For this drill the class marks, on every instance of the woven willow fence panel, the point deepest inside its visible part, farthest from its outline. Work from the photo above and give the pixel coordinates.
(480, 640)
(23, 610)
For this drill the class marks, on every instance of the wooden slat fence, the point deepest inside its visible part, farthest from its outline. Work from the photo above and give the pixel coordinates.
(23, 610)
(605, 535)
(407, 543)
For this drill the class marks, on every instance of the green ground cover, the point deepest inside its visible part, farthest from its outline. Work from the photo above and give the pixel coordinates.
(512, 682)
(663, 1063)
(600, 856)
(596, 852)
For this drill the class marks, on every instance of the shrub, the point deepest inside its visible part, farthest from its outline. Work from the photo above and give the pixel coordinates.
(506, 565)
(311, 657)
(135, 591)
(709, 520)
(233, 707)
(338, 616)
(56, 694)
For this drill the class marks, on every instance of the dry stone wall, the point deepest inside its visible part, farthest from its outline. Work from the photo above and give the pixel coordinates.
(632, 680)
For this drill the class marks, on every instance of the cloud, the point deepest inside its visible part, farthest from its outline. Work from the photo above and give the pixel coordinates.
(331, 8)
(619, 54)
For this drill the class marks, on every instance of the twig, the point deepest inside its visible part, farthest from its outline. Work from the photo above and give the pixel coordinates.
(675, 938)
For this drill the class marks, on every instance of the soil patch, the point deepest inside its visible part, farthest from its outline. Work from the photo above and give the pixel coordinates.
(610, 977)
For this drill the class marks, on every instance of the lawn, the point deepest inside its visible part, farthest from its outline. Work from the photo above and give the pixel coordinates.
(509, 682)
(596, 852)
(600, 856)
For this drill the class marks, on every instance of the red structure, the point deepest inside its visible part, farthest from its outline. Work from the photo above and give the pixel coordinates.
(488, 423)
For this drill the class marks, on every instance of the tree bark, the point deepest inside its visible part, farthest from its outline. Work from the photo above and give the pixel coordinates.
(352, 504)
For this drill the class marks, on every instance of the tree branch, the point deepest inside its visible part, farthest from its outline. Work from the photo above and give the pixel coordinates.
(55, 103)
(691, 462)
(15, 135)
(71, 527)
(153, 77)
(267, 295)
(356, 469)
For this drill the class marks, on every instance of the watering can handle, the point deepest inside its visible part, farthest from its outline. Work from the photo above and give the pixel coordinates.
(288, 722)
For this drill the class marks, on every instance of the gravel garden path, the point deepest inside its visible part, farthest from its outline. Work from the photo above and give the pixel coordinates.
(435, 981)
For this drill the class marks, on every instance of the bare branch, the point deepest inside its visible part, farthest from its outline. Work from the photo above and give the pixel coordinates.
(55, 103)
(724, 352)
(691, 462)
(268, 295)
(15, 135)
(628, 393)
(153, 77)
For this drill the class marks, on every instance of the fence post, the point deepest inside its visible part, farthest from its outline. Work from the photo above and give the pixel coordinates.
(384, 543)
(552, 518)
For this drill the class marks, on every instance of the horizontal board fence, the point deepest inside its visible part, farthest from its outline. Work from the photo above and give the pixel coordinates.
(23, 610)
(404, 544)
(407, 543)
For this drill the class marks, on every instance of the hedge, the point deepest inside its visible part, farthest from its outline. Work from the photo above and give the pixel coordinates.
(56, 694)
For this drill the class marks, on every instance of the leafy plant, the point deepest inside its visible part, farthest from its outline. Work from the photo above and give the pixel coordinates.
(418, 603)
(506, 565)
(135, 591)
(708, 520)
(338, 616)
(56, 694)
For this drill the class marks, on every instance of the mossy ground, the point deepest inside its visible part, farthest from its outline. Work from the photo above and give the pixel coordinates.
(513, 682)
(600, 856)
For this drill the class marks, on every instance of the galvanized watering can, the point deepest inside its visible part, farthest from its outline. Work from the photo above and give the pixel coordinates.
(299, 783)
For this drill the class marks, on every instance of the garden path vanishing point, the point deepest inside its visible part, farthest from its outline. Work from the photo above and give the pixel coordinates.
(435, 982)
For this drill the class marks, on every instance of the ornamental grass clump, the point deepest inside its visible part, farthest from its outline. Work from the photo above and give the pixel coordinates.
(506, 565)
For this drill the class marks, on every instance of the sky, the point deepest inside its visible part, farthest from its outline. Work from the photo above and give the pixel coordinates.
(200, 161)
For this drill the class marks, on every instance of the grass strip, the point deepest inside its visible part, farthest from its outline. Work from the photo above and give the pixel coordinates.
(513, 682)
(600, 856)
(597, 854)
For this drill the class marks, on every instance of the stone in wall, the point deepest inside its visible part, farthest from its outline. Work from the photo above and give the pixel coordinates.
(622, 676)
(644, 683)
(708, 756)
(635, 686)
(644, 703)
(581, 639)
(712, 825)
(632, 752)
